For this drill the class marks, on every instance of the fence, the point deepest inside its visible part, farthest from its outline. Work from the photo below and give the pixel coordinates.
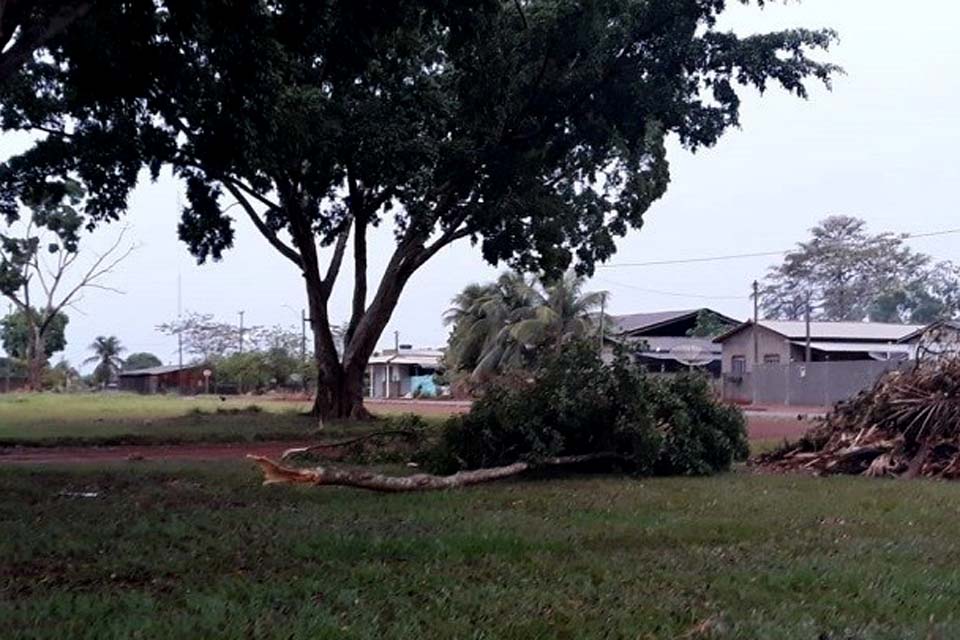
(806, 383)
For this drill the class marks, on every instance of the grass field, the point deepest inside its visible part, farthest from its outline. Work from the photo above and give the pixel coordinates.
(172, 551)
(119, 418)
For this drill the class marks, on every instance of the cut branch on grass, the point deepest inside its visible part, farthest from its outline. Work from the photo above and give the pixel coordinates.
(275, 473)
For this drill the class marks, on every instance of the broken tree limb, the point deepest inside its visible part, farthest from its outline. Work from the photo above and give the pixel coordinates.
(274, 473)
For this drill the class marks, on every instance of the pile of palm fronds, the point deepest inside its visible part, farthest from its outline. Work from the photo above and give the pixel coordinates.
(907, 425)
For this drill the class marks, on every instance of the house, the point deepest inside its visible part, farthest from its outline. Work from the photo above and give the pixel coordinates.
(189, 378)
(663, 342)
(936, 340)
(403, 372)
(772, 342)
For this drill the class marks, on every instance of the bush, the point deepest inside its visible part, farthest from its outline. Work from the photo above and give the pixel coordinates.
(576, 405)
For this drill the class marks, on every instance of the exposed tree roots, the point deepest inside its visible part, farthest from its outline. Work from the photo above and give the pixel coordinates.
(274, 473)
(907, 425)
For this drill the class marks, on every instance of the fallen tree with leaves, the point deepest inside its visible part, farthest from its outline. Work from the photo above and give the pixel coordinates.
(906, 425)
(574, 412)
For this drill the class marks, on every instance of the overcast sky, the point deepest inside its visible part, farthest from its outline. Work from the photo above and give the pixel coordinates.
(881, 146)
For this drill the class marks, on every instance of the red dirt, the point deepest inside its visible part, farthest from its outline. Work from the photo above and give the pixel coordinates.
(761, 426)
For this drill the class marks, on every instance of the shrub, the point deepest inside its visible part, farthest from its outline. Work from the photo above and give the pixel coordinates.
(576, 405)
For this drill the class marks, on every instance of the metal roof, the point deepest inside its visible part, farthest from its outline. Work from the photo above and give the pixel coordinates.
(159, 371)
(420, 357)
(853, 347)
(941, 324)
(645, 321)
(836, 331)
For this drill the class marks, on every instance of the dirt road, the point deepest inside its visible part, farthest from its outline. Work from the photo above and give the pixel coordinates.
(199, 451)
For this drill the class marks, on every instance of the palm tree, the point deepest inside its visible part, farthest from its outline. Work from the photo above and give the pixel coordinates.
(507, 324)
(562, 312)
(107, 350)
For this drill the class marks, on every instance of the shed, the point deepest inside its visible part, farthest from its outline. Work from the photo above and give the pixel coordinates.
(185, 379)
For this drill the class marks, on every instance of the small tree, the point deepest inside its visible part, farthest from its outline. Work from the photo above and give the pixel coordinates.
(203, 336)
(141, 360)
(709, 325)
(106, 350)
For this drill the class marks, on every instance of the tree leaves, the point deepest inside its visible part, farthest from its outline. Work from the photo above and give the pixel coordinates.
(847, 273)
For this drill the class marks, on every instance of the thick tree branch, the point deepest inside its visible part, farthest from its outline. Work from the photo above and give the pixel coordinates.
(285, 250)
(359, 277)
(333, 269)
(274, 473)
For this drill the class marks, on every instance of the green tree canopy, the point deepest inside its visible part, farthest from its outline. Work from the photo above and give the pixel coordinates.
(514, 322)
(15, 334)
(534, 129)
(141, 360)
(846, 273)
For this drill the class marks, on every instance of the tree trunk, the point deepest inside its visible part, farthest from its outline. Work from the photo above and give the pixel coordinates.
(36, 357)
(274, 473)
(339, 394)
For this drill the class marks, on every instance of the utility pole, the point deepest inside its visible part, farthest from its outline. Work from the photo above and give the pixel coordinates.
(179, 328)
(603, 313)
(756, 320)
(303, 335)
(807, 318)
(241, 330)
(9, 364)
(303, 349)
(396, 342)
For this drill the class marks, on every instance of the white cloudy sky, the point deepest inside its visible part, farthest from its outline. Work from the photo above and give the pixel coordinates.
(881, 146)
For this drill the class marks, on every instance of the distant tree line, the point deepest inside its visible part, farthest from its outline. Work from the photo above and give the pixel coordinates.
(256, 358)
(844, 272)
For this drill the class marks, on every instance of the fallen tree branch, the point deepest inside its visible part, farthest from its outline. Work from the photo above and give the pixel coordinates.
(274, 473)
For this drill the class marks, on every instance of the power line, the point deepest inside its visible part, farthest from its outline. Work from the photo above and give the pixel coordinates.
(674, 294)
(760, 254)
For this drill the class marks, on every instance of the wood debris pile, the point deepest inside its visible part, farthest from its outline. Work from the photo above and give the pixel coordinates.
(907, 425)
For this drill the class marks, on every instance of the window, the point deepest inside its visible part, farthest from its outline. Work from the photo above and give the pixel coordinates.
(739, 365)
(771, 358)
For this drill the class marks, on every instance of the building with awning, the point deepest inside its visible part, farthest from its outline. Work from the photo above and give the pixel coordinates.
(403, 372)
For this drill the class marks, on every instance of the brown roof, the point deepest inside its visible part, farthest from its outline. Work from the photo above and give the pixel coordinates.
(647, 321)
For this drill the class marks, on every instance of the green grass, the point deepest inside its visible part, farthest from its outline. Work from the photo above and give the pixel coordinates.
(203, 551)
(119, 418)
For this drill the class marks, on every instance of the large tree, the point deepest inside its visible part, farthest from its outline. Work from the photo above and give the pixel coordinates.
(844, 272)
(535, 129)
(43, 271)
